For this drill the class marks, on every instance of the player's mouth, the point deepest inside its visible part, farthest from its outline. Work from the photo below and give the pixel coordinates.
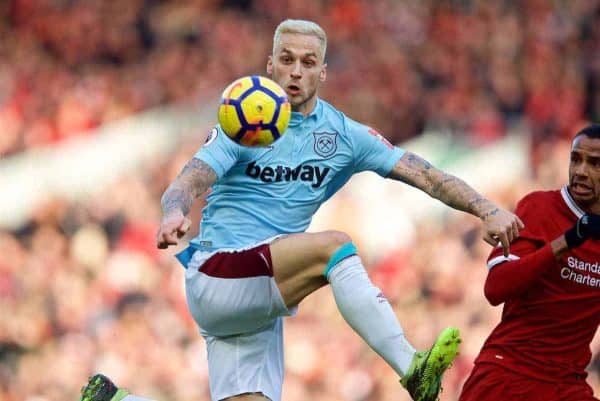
(293, 90)
(580, 189)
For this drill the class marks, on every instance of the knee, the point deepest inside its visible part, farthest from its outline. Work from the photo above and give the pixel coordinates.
(332, 242)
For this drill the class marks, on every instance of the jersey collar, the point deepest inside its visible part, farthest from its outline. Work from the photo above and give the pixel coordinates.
(577, 211)
(298, 117)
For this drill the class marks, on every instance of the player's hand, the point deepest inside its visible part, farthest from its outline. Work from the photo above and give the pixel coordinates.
(587, 226)
(172, 228)
(501, 226)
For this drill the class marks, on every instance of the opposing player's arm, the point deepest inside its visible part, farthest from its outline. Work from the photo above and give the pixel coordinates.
(511, 277)
(500, 225)
(195, 179)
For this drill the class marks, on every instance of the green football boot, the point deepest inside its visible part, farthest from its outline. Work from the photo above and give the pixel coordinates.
(423, 380)
(100, 388)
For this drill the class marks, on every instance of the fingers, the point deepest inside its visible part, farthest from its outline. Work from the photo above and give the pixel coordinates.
(515, 230)
(503, 231)
(504, 240)
(494, 240)
(490, 239)
(510, 233)
(503, 237)
(517, 225)
(172, 228)
(165, 239)
(184, 227)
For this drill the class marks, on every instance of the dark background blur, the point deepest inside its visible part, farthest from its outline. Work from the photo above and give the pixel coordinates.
(82, 287)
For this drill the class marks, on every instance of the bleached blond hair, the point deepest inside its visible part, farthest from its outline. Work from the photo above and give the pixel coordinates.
(303, 27)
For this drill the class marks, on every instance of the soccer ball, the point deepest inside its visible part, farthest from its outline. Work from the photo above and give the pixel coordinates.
(254, 111)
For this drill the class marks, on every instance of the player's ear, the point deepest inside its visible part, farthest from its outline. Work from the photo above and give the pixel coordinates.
(270, 65)
(323, 73)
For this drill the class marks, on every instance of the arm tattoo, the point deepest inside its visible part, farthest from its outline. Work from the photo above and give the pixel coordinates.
(451, 190)
(195, 178)
(454, 192)
(440, 187)
(492, 212)
(410, 169)
(418, 161)
(475, 202)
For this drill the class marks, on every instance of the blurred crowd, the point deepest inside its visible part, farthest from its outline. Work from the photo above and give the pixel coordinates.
(83, 289)
(82, 286)
(471, 67)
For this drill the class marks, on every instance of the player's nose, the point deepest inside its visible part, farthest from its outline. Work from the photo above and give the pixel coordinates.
(581, 170)
(296, 70)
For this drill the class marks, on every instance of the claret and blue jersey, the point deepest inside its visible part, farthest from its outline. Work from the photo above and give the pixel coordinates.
(263, 192)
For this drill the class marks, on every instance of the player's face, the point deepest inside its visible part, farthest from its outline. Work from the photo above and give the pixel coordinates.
(584, 173)
(297, 65)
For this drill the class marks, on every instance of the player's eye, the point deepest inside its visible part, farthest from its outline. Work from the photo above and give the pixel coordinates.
(309, 63)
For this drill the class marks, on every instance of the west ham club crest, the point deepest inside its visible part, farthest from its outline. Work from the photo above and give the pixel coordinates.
(325, 143)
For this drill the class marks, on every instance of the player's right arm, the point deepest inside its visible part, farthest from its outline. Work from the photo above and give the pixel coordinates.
(195, 179)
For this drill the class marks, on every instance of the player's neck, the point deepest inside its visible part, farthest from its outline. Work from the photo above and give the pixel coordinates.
(307, 107)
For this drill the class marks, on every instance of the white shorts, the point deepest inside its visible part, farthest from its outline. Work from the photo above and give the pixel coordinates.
(236, 303)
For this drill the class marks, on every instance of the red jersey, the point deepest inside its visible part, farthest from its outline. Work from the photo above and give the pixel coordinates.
(546, 330)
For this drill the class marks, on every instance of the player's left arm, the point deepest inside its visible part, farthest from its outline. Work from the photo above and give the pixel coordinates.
(499, 224)
(510, 277)
(531, 255)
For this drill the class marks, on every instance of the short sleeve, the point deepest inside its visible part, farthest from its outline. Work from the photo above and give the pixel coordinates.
(218, 151)
(372, 152)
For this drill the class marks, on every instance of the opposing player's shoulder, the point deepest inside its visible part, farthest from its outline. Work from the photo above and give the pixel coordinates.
(542, 195)
(539, 209)
(538, 199)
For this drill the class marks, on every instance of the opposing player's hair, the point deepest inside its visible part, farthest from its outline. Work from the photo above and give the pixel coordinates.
(591, 131)
(303, 27)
